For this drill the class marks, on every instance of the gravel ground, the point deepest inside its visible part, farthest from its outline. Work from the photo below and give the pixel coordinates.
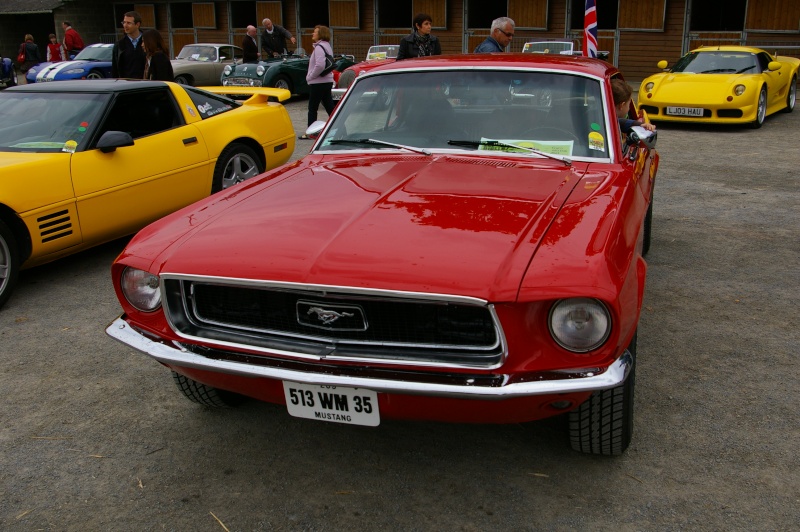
(95, 437)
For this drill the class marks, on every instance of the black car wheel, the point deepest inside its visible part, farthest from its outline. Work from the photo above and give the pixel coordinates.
(94, 74)
(603, 424)
(9, 262)
(12, 78)
(236, 163)
(791, 96)
(282, 82)
(183, 80)
(206, 395)
(761, 110)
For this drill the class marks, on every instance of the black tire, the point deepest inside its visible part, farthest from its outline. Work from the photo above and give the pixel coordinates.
(648, 227)
(791, 96)
(236, 163)
(346, 79)
(183, 79)
(95, 74)
(206, 395)
(9, 263)
(12, 79)
(282, 82)
(761, 109)
(603, 424)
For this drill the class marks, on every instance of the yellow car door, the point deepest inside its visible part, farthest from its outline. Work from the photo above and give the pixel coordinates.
(166, 168)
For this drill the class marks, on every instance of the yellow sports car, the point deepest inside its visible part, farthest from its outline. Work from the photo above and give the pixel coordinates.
(85, 162)
(722, 85)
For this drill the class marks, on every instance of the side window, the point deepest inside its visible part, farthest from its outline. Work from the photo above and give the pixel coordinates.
(143, 113)
(763, 62)
(210, 104)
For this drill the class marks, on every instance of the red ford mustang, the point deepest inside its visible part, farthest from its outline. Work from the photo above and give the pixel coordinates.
(464, 243)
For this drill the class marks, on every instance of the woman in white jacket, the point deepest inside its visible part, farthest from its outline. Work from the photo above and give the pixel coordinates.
(319, 85)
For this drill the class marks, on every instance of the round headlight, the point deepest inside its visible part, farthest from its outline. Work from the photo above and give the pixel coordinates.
(141, 289)
(580, 324)
(649, 86)
(260, 70)
(738, 90)
(227, 70)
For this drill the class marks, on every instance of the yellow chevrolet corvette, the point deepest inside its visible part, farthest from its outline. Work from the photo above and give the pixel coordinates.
(85, 162)
(721, 85)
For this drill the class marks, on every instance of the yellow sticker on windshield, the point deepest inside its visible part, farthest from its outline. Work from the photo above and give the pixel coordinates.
(596, 141)
(70, 146)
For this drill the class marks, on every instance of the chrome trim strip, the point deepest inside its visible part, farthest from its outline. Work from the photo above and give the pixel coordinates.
(615, 375)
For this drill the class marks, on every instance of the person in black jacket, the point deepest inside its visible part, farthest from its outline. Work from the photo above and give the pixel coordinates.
(158, 65)
(250, 53)
(128, 59)
(420, 43)
(273, 39)
(31, 51)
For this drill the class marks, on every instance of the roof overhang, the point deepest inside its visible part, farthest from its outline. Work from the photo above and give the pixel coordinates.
(29, 7)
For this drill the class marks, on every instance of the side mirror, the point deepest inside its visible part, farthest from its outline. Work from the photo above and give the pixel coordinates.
(111, 140)
(774, 65)
(639, 137)
(663, 64)
(314, 129)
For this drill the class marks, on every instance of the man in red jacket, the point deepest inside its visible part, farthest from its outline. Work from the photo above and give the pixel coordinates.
(72, 41)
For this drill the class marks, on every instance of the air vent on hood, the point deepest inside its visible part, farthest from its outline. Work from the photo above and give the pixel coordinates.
(482, 162)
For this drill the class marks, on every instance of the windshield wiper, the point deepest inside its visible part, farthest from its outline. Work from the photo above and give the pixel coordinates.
(717, 71)
(380, 143)
(490, 142)
(746, 69)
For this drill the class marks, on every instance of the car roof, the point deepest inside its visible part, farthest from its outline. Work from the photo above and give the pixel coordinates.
(576, 64)
(100, 45)
(88, 85)
(729, 48)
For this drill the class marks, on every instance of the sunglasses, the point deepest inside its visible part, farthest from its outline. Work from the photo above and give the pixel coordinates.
(509, 35)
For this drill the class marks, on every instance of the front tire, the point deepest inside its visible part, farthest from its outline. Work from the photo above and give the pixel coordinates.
(761, 109)
(791, 96)
(236, 163)
(206, 395)
(94, 75)
(346, 79)
(9, 262)
(282, 82)
(183, 80)
(603, 424)
(12, 79)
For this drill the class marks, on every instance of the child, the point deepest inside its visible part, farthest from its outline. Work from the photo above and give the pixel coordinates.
(622, 103)
(55, 51)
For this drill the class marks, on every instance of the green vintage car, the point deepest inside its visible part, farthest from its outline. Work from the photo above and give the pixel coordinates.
(284, 72)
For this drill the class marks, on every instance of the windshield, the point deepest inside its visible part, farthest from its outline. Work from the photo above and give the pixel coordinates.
(560, 114)
(50, 122)
(382, 52)
(716, 62)
(198, 53)
(95, 53)
(547, 47)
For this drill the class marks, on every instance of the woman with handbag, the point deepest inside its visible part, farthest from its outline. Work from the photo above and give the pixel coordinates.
(320, 82)
(28, 54)
(157, 64)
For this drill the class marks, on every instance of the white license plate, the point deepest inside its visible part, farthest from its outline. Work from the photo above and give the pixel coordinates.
(353, 406)
(685, 111)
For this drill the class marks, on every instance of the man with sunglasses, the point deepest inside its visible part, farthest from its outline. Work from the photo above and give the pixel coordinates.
(500, 36)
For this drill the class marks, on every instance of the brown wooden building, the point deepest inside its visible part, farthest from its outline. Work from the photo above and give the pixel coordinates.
(636, 33)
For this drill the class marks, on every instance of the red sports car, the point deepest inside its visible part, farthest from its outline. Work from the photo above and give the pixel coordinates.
(464, 243)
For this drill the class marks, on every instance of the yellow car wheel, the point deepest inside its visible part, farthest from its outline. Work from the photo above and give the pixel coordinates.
(236, 163)
(9, 262)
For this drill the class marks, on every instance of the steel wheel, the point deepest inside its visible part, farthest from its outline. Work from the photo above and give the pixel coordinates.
(236, 164)
(282, 82)
(761, 111)
(9, 262)
(791, 97)
(94, 75)
(183, 80)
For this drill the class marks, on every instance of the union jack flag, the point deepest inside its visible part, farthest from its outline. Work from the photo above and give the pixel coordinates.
(590, 30)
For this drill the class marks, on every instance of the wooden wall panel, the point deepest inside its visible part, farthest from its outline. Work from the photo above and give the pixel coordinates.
(270, 10)
(528, 14)
(179, 40)
(437, 9)
(343, 13)
(148, 13)
(773, 15)
(203, 15)
(638, 15)
(640, 51)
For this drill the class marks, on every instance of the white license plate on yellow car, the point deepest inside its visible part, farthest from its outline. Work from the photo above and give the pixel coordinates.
(353, 406)
(685, 111)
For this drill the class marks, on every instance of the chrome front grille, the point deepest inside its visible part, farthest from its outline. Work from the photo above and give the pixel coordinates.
(243, 82)
(335, 323)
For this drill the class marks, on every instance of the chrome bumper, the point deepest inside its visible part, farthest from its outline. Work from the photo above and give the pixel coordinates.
(175, 355)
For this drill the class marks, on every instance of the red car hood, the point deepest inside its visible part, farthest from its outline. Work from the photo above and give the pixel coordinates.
(438, 224)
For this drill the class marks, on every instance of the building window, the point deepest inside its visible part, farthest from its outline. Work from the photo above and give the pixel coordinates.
(313, 12)
(482, 13)
(717, 15)
(606, 15)
(244, 14)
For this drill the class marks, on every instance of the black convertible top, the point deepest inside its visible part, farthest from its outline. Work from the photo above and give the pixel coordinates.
(88, 85)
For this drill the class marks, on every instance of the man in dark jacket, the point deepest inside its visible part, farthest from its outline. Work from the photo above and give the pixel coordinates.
(128, 58)
(273, 39)
(250, 52)
(501, 34)
(420, 43)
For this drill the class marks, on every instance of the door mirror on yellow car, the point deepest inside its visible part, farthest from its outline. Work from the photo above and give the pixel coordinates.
(774, 65)
(662, 64)
(111, 140)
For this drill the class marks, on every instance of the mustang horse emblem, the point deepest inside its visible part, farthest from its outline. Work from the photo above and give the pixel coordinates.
(328, 316)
